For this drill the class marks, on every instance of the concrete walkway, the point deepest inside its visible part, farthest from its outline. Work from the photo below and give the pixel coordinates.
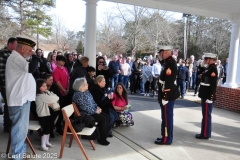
(137, 142)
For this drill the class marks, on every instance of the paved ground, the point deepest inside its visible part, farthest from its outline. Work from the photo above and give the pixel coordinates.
(137, 142)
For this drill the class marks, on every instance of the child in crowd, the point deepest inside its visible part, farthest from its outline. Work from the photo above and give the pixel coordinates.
(91, 72)
(44, 101)
(90, 80)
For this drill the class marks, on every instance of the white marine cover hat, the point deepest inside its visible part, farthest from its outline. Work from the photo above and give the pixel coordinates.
(165, 47)
(210, 55)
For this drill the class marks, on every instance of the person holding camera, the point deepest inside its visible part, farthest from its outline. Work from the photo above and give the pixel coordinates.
(103, 69)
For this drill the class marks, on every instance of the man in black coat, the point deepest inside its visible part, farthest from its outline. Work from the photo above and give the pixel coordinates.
(169, 93)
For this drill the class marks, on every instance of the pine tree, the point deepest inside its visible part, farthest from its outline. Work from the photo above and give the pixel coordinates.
(80, 47)
(31, 15)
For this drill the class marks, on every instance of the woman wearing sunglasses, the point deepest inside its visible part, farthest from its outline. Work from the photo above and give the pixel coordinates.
(103, 69)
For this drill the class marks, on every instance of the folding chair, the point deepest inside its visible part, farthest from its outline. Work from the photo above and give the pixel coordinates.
(33, 125)
(67, 112)
(77, 113)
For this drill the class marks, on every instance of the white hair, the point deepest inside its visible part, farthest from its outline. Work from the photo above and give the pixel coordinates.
(79, 84)
(199, 61)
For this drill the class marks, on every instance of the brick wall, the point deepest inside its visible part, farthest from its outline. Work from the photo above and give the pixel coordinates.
(228, 98)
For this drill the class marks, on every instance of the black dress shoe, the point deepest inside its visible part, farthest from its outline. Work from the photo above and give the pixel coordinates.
(159, 139)
(160, 142)
(103, 142)
(199, 136)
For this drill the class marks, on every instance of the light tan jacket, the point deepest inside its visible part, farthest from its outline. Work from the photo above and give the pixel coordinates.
(42, 103)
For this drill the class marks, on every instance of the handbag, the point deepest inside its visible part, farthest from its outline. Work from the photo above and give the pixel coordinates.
(88, 120)
(77, 123)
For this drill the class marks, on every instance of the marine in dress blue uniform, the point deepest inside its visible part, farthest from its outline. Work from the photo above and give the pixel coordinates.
(168, 94)
(207, 93)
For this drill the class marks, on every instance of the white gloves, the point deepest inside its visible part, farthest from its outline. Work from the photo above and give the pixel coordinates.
(208, 101)
(164, 102)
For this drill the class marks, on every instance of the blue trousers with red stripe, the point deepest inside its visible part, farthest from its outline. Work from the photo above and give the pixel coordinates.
(207, 118)
(167, 122)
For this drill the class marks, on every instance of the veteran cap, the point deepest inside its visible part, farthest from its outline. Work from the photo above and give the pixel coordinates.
(26, 41)
(210, 55)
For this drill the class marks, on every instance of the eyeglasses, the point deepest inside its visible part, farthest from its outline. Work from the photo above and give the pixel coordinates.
(100, 61)
(75, 54)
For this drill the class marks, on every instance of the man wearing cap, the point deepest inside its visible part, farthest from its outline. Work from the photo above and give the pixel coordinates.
(20, 91)
(168, 94)
(207, 93)
(4, 54)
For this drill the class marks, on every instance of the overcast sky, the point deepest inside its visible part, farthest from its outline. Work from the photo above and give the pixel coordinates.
(70, 9)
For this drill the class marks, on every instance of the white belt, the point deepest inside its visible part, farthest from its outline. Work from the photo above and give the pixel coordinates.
(161, 81)
(204, 84)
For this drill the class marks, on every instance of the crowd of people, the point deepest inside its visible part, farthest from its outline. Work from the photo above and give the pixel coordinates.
(190, 72)
(34, 85)
(51, 83)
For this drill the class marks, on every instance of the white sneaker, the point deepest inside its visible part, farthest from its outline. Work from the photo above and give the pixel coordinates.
(145, 95)
(148, 95)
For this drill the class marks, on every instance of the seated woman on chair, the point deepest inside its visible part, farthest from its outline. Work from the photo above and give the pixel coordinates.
(103, 99)
(87, 106)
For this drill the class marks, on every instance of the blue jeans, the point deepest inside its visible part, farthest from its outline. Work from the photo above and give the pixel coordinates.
(113, 116)
(194, 79)
(141, 86)
(114, 81)
(124, 80)
(19, 116)
(130, 80)
(190, 82)
(182, 85)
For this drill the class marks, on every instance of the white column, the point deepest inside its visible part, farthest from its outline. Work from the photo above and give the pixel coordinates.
(90, 31)
(238, 67)
(233, 57)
